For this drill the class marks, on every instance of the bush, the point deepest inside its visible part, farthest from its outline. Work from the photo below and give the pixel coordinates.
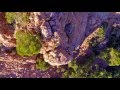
(66, 74)
(100, 74)
(104, 55)
(71, 71)
(76, 71)
(101, 33)
(10, 17)
(111, 55)
(73, 65)
(115, 57)
(100, 36)
(42, 65)
(28, 44)
(85, 71)
(20, 17)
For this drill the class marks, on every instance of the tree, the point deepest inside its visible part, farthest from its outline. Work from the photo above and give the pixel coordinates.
(28, 44)
(100, 36)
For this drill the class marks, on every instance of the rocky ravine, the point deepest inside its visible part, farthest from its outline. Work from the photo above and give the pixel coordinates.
(62, 32)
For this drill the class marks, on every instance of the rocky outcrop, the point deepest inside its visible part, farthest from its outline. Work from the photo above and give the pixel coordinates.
(62, 33)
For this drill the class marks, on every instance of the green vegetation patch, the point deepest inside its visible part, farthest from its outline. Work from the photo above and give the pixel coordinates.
(100, 74)
(111, 55)
(85, 71)
(10, 17)
(101, 33)
(100, 36)
(42, 65)
(20, 17)
(114, 57)
(28, 44)
(104, 55)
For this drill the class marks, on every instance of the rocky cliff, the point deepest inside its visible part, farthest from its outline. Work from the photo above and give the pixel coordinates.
(62, 32)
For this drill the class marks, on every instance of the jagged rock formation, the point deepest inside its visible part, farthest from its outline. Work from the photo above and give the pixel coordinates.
(59, 30)
(65, 32)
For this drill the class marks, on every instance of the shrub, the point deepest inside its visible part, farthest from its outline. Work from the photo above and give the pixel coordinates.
(20, 17)
(100, 74)
(73, 65)
(66, 74)
(104, 55)
(28, 44)
(111, 55)
(114, 57)
(85, 71)
(10, 17)
(71, 71)
(101, 33)
(42, 65)
(100, 36)
(75, 70)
